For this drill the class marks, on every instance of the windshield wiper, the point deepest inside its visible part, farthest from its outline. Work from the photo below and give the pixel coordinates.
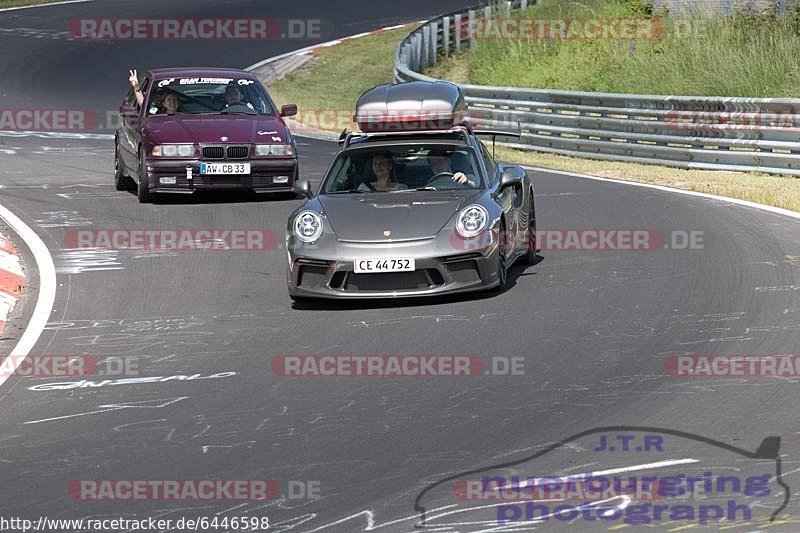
(427, 188)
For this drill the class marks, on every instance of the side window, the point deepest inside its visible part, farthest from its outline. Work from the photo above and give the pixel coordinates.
(130, 98)
(491, 167)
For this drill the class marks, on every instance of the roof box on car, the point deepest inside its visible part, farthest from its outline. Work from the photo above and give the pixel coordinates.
(411, 106)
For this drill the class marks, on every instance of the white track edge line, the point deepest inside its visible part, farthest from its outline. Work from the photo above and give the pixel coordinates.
(17, 8)
(737, 201)
(47, 289)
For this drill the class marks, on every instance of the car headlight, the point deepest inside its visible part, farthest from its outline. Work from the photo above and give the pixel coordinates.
(472, 220)
(308, 226)
(274, 149)
(173, 150)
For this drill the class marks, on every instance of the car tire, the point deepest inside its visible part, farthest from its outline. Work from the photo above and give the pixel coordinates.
(143, 190)
(502, 258)
(530, 256)
(121, 181)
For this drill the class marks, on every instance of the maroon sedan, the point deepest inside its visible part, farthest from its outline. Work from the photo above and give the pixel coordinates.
(203, 129)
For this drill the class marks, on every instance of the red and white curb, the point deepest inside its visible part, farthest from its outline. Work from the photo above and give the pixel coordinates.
(316, 47)
(12, 279)
(310, 131)
(46, 290)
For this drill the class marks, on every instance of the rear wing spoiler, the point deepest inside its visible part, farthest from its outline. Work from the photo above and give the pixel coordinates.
(498, 133)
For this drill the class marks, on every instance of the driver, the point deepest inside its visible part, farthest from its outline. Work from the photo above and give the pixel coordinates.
(233, 95)
(439, 161)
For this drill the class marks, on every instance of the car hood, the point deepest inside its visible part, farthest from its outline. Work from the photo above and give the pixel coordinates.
(212, 128)
(408, 215)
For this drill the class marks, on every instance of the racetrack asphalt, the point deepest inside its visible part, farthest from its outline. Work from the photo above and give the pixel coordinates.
(594, 327)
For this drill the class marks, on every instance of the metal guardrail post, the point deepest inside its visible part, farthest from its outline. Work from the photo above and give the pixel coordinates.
(471, 27)
(417, 52)
(426, 36)
(434, 37)
(446, 36)
(457, 28)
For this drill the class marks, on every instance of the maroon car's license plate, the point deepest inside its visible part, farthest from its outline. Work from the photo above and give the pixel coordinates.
(224, 168)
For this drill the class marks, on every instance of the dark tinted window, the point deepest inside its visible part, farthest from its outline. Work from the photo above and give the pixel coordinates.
(491, 167)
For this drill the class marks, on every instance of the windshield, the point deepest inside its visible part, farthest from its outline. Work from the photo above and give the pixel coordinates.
(201, 95)
(403, 168)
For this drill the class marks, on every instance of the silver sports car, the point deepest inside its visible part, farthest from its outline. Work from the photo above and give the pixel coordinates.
(415, 205)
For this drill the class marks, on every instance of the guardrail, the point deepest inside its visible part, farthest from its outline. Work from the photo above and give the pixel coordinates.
(740, 134)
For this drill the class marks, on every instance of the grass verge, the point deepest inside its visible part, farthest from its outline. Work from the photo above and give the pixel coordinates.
(327, 88)
(746, 55)
(19, 3)
(339, 74)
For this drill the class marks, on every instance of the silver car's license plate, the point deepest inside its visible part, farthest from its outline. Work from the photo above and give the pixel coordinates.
(394, 264)
(224, 168)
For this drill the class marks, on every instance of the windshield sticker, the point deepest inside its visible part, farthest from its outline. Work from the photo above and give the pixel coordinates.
(194, 81)
(164, 83)
(246, 82)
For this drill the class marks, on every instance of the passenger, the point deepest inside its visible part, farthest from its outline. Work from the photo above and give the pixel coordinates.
(133, 78)
(168, 102)
(382, 168)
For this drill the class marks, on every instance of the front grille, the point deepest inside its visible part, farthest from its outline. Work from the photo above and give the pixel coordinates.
(392, 281)
(245, 181)
(238, 152)
(213, 152)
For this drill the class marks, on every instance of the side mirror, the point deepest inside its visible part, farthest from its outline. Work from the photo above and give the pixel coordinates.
(127, 110)
(512, 176)
(303, 186)
(288, 110)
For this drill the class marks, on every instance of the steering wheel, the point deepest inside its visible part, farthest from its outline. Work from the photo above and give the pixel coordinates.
(444, 178)
(238, 107)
